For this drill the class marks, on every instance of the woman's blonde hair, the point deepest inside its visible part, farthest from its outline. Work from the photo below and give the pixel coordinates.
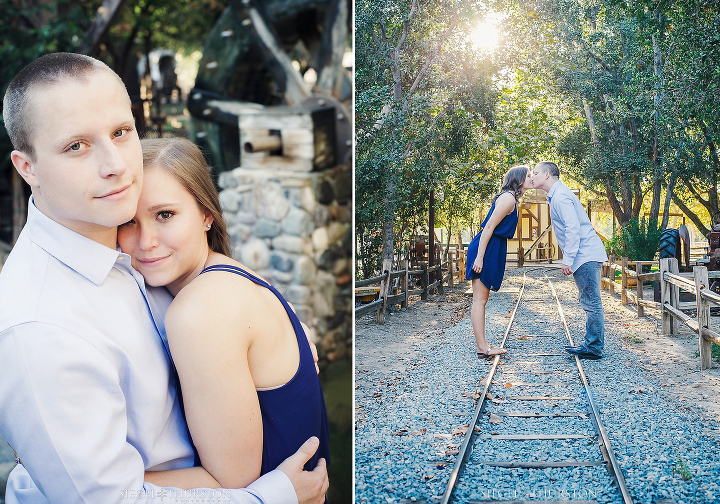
(184, 161)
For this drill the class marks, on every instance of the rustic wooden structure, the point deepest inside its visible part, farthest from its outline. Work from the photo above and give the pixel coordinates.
(670, 306)
(395, 287)
(246, 70)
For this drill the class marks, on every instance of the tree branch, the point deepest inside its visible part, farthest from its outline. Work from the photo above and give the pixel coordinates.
(432, 56)
(691, 215)
(597, 58)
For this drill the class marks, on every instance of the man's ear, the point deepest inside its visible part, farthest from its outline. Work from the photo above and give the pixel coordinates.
(24, 166)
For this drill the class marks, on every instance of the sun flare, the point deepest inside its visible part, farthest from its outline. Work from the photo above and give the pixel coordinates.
(485, 37)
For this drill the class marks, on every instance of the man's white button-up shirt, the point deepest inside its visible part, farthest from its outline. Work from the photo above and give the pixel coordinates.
(574, 231)
(87, 397)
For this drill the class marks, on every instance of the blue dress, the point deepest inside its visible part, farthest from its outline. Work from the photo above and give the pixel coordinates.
(294, 412)
(496, 252)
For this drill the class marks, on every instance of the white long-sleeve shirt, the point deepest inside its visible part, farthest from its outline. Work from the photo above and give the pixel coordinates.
(574, 231)
(87, 398)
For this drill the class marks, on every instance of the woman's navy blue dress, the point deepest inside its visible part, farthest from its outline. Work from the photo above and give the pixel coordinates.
(493, 269)
(294, 412)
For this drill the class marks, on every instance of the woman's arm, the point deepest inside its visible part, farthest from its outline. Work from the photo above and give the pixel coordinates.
(209, 345)
(504, 204)
(187, 479)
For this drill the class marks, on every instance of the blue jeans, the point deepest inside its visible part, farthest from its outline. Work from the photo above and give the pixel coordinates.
(587, 279)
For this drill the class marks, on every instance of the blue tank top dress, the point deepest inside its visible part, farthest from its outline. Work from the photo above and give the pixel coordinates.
(294, 412)
(496, 252)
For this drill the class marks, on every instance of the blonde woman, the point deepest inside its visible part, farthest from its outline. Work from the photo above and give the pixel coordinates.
(250, 388)
(488, 250)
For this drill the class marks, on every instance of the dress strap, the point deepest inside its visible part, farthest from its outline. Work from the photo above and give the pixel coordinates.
(229, 268)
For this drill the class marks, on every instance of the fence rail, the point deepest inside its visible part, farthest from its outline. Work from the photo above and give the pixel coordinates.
(395, 287)
(671, 309)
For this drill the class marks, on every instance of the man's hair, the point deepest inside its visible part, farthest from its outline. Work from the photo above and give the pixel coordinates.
(46, 70)
(550, 167)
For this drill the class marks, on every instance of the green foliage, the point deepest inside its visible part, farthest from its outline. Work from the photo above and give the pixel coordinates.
(637, 240)
(681, 469)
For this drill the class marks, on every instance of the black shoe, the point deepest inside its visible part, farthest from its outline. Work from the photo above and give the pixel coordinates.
(582, 352)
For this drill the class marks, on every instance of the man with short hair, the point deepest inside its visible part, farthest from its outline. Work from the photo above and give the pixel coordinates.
(583, 254)
(88, 392)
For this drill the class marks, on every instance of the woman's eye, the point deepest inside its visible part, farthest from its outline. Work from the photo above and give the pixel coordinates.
(119, 133)
(165, 215)
(75, 146)
(131, 221)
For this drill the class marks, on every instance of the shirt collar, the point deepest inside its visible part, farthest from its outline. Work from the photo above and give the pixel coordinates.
(552, 190)
(83, 255)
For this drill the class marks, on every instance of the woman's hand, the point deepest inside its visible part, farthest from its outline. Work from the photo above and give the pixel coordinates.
(478, 264)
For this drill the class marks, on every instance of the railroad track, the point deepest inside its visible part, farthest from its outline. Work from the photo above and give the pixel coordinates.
(533, 422)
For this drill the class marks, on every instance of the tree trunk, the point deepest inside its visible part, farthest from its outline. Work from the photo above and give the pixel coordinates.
(668, 196)
(431, 233)
(657, 156)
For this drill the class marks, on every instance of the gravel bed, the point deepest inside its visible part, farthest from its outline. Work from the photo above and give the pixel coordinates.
(409, 402)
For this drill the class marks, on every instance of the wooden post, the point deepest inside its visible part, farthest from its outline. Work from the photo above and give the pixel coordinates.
(384, 287)
(703, 315)
(521, 256)
(431, 234)
(451, 268)
(674, 292)
(623, 292)
(639, 290)
(611, 274)
(668, 294)
(667, 320)
(603, 275)
(424, 281)
(440, 278)
(405, 283)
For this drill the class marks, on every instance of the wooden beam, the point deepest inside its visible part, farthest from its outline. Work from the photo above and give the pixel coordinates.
(278, 62)
(104, 18)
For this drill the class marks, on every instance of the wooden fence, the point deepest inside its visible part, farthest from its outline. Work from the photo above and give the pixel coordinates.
(671, 309)
(395, 287)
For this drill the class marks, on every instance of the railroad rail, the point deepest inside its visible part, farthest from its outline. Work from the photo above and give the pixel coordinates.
(473, 434)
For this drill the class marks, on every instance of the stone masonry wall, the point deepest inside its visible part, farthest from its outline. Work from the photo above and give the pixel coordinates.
(294, 229)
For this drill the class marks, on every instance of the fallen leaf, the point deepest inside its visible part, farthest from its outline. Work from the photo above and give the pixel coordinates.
(508, 385)
(419, 432)
(401, 432)
(442, 435)
(494, 419)
(476, 428)
(449, 453)
(429, 476)
(460, 431)
(423, 386)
